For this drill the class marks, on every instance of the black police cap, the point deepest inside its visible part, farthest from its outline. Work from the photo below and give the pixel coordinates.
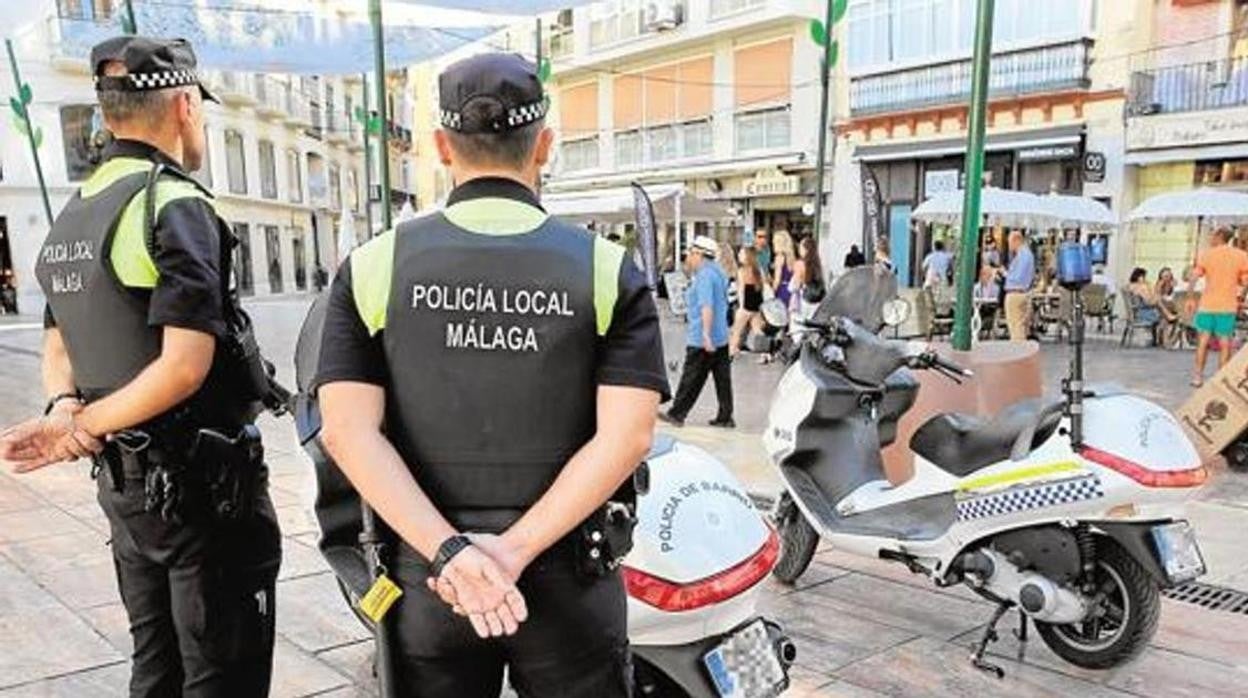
(151, 64)
(491, 93)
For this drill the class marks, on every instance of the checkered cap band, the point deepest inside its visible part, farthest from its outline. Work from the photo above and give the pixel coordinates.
(516, 117)
(1020, 499)
(142, 82)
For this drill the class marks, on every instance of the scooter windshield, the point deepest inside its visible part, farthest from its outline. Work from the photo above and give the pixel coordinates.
(859, 295)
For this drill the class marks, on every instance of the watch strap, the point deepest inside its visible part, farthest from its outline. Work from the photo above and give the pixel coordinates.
(75, 395)
(449, 549)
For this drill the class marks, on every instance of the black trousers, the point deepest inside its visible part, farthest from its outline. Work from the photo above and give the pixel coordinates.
(200, 597)
(573, 645)
(698, 365)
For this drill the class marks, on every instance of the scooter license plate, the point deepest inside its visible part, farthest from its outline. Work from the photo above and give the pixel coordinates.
(746, 664)
(1178, 552)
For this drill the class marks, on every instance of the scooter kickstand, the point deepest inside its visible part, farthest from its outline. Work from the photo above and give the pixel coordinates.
(1020, 634)
(990, 636)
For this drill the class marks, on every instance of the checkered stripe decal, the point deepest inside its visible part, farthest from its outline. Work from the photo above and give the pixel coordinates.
(141, 82)
(1018, 499)
(516, 116)
(451, 119)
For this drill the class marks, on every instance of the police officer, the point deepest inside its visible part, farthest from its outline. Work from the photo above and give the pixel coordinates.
(142, 371)
(489, 377)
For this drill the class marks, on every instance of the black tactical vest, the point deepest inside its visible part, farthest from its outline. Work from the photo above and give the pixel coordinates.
(490, 343)
(104, 324)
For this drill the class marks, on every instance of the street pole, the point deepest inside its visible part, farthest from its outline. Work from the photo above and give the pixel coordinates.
(130, 23)
(537, 186)
(825, 72)
(23, 97)
(383, 147)
(969, 247)
(368, 158)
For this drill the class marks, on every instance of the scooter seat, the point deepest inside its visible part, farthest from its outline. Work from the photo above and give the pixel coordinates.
(960, 444)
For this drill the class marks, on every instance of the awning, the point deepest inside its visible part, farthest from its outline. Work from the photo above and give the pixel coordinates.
(1215, 152)
(932, 148)
(615, 205)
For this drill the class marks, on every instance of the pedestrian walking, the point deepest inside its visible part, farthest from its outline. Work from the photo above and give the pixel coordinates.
(1225, 271)
(854, 258)
(936, 266)
(706, 339)
(784, 255)
(807, 276)
(1019, 278)
(750, 285)
(489, 377)
(883, 256)
(762, 248)
(145, 370)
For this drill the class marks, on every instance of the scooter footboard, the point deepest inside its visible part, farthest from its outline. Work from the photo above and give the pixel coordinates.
(839, 456)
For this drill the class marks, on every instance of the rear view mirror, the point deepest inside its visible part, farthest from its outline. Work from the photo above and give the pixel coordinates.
(775, 313)
(895, 312)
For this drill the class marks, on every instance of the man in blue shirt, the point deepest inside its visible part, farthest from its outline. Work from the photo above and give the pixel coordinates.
(1018, 280)
(706, 339)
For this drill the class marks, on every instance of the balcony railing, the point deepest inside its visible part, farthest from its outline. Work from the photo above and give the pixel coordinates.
(1194, 87)
(1026, 71)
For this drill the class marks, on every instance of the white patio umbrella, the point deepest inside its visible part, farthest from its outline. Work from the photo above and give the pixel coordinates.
(1200, 204)
(1015, 209)
(1079, 212)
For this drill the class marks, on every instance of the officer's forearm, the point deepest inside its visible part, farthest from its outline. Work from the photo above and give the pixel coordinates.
(58, 374)
(175, 375)
(625, 428)
(352, 435)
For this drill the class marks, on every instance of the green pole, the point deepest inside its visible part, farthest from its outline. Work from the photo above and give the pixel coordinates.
(368, 157)
(538, 40)
(24, 99)
(383, 148)
(969, 247)
(129, 24)
(825, 71)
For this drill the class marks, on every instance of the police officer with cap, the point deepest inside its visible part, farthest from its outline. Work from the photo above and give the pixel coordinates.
(146, 365)
(488, 378)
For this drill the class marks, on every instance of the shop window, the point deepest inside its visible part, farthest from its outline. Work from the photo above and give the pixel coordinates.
(1216, 172)
(242, 260)
(579, 154)
(268, 170)
(335, 187)
(235, 162)
(273, 252)
(299, 246)
(82, 128)
(294, 176)
(761, 130)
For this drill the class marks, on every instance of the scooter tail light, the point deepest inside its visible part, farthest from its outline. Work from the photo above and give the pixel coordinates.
(1192, 477)
(673, 596)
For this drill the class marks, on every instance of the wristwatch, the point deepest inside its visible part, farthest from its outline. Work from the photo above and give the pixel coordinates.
(76, 396)
(450, 548)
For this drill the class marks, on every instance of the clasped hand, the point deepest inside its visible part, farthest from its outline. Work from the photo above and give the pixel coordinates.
(42, 441)
(480, 583)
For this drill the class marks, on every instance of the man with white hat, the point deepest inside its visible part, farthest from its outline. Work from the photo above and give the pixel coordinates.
(706, 339)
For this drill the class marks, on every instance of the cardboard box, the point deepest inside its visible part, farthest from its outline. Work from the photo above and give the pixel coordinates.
(1217, 413)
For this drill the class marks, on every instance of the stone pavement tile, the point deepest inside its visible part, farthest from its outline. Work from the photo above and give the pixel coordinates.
(103, 682)
(54, 641)
(1213, 635)
(825, 641)
(1167, 674)
(14, 496)
(841, 689)
(355, 661)
(928, 667)
(1005, 651)
(897, 605)
(348, 692)
(19, 593)
(91, 515)
(38, 523)
(297, 673)
(300, 560)
(285, 498)
(111, 623)
(76, 568)
(892, 571)
(302, 485)
(818, 573)
(296, 520)
(313, 615)
(64, 484)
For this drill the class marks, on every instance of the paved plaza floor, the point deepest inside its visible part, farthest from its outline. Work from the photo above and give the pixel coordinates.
(863, 628)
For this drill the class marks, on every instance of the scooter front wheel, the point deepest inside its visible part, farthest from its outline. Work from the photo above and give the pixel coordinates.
(798, 540)
(1124, 619)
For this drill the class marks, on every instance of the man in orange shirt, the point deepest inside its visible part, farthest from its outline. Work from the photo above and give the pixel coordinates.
(1225, 269)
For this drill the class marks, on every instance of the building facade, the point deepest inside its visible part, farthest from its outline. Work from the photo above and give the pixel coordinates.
(1186, 117)
(285, 159)
(1058, 86)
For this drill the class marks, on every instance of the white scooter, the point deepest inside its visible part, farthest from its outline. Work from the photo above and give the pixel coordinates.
(1070, 512)
(701, 552)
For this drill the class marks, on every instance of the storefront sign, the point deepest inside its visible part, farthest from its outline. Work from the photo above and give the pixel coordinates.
(772, 183)
(1093, 166)
(940, 181)
(872, 225)
(1168, 131)
(1048, 152)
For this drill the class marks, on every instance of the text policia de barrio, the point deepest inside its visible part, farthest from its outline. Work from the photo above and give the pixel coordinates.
(481, 299)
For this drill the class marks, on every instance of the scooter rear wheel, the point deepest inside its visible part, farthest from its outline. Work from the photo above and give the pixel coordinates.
(1237, 455)
(1129, 611)
(798, 540)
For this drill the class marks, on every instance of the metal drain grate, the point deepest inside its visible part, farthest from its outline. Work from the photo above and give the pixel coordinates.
(1214, 598)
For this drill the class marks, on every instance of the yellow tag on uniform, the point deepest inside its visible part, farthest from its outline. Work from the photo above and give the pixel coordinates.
(380, 597)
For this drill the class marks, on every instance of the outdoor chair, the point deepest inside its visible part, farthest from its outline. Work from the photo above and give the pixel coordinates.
(1098, 304)
(940, 301)
(1133, 321)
